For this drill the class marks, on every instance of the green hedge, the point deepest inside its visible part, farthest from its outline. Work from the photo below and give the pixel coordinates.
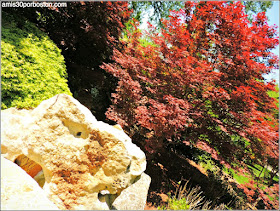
(32, 67)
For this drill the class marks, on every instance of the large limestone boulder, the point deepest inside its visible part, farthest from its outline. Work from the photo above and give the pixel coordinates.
(81, 163)
(19, 191)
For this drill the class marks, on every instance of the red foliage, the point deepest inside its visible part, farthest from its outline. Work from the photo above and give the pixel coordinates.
(273, 192)
(201, 80)
(269, 196)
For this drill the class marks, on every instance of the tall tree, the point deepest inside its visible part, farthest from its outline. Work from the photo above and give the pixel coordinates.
(201, 82)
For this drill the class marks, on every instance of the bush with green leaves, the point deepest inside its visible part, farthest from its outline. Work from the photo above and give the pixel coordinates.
(32, 67)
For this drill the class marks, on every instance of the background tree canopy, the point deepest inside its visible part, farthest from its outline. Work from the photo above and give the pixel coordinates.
(32, 67)
(156, 10)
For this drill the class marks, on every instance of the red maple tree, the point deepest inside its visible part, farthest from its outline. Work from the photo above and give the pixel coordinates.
(200, 81)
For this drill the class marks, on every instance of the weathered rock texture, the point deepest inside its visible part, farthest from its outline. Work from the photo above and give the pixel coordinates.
(86, 163)
(136, 193)
(19, 191)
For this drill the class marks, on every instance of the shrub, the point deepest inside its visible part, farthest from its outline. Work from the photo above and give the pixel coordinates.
(33, 68)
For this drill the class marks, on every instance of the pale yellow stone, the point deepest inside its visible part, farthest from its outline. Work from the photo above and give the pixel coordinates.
(80, 156)
(19, 191)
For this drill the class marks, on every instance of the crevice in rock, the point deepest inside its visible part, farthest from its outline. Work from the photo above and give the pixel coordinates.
(128, 168)
(104, 196)
(76, 129)
(32, 168)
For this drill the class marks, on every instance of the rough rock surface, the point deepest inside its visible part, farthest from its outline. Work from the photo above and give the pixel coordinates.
(19, 191)
(136, 193)
(86, 163)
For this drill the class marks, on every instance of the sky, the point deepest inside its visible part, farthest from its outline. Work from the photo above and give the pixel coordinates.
(273, 15)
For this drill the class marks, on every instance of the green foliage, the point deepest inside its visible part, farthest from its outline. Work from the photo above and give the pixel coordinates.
(239, 178)
(178, 204)
(155, 10)
(275, 95)
(33, 68)
(264, 174)
(254, 7)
